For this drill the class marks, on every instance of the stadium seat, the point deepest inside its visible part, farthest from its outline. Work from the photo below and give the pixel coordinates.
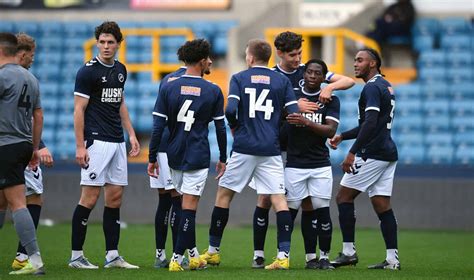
(431, 74)
(423, 43)
(49, 90)
(48, 73)
(77, 29)
(459, 59)
(411, 154)
(462, 91)
(439, 138)
(465, 155)
(426, 26)
(144, 121)
(455, 25)
(48, 136)
(460, 74)
(408, 91)
(407, 107)
(435, 89)
(408, 123)
(220, 44)
(464, 123)
(144, 78)
(409, 139)
(456, 42)
(148, 89)
(7, 26)
(133, 42)
(49, 120)
(442, 155)
(436, 106)
(49, 105)
(29, 27)
(437, 123)
(431, 58)
(462, 107)
(464, 138)
(51, 28)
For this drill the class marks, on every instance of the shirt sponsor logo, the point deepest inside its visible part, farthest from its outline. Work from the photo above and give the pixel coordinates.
(111, 95)
(188, 90)
(260, 79)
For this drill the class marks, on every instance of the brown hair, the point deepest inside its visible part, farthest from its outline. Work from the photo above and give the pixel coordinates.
(109, 27)
(25, 42)
(260, 49)
(8, 44)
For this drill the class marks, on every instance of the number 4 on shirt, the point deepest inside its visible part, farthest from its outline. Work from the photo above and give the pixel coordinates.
(185, 115)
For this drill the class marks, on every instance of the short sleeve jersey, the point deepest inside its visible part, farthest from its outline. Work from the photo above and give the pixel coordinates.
(378, 95)
(168, 78)
(263, 94)
(305, 148)
(103, 85)
(189, 103)
(19, 96)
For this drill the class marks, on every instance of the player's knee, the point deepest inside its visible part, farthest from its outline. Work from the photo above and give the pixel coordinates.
(279, 202)
(224, 197)
(381, 204)
(264, 201)
(343, 197)
(318, 203)
(306, 204)
(35, 199)
(294, 204)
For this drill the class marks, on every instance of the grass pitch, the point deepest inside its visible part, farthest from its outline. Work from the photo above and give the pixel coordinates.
(423, 254)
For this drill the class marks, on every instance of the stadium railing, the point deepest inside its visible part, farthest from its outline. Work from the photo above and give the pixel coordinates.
(340, 35)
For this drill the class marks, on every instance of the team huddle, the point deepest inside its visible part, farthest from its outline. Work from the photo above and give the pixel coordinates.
(281, 119)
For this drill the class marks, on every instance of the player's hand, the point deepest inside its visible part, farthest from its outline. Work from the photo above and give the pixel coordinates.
(297, 119)
(325, 95)
(135, 146)
(334, 141)
(306, 106)
(153, 169)
(220, 168)
(35, 160)
(45, 157)
(82, 157)
(348, 163)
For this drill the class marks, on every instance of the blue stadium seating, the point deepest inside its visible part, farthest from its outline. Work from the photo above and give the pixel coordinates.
(426, 26)
(423, 43)
(411, 154)
(439, 138)
(455, 25)
(459, 59)
(460, 108)
(465, 155)
(460, 74)
(435, 89)
(456, 42)
(408, 91)
(7, 26)
(464, 138)
(408, 123)
(442, 155)
(51, 28)
(431, 74)
(409, 139)
(464, 123)
(431, 58)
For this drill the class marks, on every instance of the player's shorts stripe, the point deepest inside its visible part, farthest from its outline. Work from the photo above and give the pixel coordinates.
(234, 96)
(290, 103)
(81, 94)
(332, 118)
(160, 115)
(372, 108)
(219, 118)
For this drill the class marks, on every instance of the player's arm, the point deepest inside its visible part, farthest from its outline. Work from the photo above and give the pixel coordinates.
(291, 105)
(233, 100)
(37, 130)
(45, 156)
(80, 105)
(160, 119)
(336, 82)
(127, 124)
(221, 135)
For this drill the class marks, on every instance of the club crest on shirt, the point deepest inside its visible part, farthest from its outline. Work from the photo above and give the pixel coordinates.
(260, 79)
(189, 90)
(121, 77)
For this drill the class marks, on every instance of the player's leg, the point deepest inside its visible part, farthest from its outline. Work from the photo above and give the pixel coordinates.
(80, 218)
(269, 178)
(3, 208)
(191, 184)
(162, 210)
(324, 228)
(14, 159)
(380, 194)
(236, 177)
(92, 179)
(34, 202)
(116, 179)
(260, 226)
(309, 231)
(175, 216)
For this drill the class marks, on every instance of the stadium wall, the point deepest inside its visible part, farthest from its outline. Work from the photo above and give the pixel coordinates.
(424, 198)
